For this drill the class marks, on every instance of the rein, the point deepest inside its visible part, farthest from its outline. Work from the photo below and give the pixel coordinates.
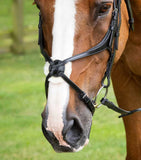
(109, 42)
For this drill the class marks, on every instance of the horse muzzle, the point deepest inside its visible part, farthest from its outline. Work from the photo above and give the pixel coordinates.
(73, 137)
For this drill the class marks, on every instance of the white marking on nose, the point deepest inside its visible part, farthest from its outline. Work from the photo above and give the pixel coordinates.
(63, 46)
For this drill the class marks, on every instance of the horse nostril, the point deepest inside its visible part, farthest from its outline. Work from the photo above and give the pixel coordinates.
(73, 132)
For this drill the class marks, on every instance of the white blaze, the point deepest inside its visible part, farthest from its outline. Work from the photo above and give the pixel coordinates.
(63, 46)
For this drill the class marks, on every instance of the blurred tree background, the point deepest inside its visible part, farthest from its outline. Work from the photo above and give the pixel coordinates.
(22, 98)
(18, 26)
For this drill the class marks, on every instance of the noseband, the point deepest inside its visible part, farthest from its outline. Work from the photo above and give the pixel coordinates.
(109, 42)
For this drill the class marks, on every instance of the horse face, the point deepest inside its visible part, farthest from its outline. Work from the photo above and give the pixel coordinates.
(71, 27)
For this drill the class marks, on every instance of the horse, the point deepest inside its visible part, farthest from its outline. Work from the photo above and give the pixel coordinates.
(84, 42)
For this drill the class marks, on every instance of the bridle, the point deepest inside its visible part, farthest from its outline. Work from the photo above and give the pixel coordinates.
(109, 42)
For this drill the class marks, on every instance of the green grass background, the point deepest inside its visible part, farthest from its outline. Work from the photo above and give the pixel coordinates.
(22, 100)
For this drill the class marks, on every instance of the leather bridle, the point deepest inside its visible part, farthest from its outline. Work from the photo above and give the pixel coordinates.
(109, 42)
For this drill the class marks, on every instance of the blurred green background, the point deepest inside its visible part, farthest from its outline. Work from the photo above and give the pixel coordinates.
(22, 100)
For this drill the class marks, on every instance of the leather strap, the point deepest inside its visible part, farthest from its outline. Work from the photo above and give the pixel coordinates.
(131, 19)
(41, 41)
(112, 106)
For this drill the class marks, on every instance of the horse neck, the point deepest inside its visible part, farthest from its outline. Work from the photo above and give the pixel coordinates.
(136, 7)
(136, 4)
(126, 78)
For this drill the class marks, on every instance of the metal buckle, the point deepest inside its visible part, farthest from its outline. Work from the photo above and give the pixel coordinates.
(95, 98)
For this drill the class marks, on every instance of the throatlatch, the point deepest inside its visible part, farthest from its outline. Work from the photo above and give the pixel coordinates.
(109, 42)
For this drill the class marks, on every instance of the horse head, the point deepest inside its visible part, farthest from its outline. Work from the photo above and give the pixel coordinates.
(71, 27)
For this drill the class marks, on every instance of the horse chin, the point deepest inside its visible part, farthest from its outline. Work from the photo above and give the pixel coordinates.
(60, 149)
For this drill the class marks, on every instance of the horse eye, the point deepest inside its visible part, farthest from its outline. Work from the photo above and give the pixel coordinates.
(104, 8)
